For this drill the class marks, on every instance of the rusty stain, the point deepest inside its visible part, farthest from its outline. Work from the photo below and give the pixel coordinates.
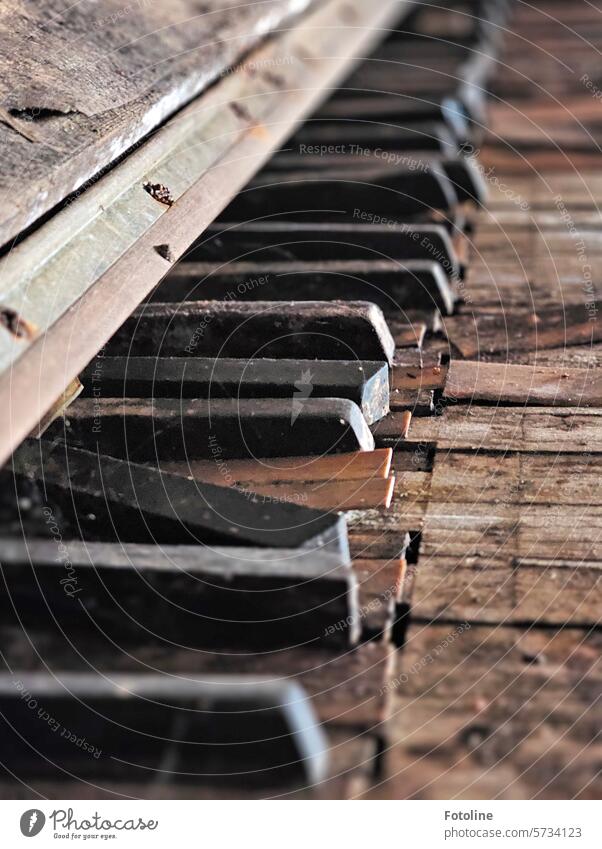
(16, 325)
(260, 131)
(159, 192)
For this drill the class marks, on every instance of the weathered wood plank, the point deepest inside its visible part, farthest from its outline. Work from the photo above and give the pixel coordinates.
(332, 467)
(93, 103)
(515, 478)
(556, 590)
(509, 563)
(365, 383)
(521, 384)
(424, 375)
(547, 429)
(360, 493)
(577, 356)
(493, 713)
(523, 331)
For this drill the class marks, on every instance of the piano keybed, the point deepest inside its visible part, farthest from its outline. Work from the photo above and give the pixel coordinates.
(228, 546)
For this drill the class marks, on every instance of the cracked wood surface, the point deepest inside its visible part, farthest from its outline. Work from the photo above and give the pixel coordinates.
(81, 86)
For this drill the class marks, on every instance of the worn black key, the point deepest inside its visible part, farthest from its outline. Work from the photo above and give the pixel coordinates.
(109, 498)
(392, 285)
(467, 180)
(317, 196)
(364, 383)
(163, 428)
(406, 110)
(346, 136)
(196, 596)
(152, 727)
(231, 328)
(273, 241)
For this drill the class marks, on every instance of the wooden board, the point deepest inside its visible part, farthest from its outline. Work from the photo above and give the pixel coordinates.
(523, 331)
(546, 429)
(360, 493)
(360, 465)
(476, 382)
(424, 374)
(498, 560)
(63, 122)
(514, 478)
(493, 713)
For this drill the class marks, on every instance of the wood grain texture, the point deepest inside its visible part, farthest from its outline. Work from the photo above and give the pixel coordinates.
(547, 429)
(523, 330)
(131, 68)
(487, 713)
(491, 556)
(360, 465)
(359, 494)
(521, 384)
